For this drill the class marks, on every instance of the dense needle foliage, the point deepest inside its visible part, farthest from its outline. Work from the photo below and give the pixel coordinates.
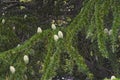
(89, 48)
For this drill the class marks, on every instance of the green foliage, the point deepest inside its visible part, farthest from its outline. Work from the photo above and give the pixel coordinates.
(48, 52)
(13, 29)
(25, 0)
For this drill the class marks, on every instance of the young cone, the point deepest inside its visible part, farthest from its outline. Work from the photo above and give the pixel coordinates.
(26, 59)
(113, 77)
(3, 21)
(60, 34)
(25, 16)
(39, 30)
(106, 31)
(110, 32)
(56, 37)
(12, 69)
(53, 26)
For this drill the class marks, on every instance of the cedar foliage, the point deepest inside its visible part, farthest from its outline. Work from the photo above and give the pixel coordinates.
(68, 52)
